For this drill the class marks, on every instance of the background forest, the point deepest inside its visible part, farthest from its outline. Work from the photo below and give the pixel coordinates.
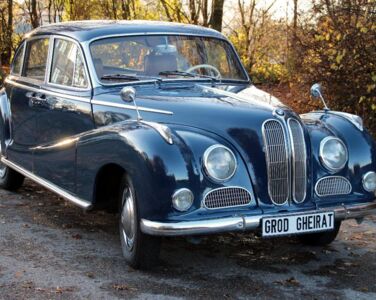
(327, 41)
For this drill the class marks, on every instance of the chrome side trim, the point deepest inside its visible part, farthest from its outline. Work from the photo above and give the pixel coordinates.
(243, 223)
(52, 187)
(23, 86)
(132, 107)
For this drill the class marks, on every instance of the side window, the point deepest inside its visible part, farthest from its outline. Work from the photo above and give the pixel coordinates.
(68, 67)
(17, 61)
(36, 58)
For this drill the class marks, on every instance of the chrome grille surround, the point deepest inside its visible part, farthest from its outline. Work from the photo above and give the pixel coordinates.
(332, 186)
(299, 160)
(277, 160)
(226, 197)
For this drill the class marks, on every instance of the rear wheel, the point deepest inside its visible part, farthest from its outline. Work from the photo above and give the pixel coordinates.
(321, 238)
(141, 251)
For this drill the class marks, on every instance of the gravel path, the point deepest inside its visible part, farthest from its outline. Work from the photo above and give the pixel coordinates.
(50, 249)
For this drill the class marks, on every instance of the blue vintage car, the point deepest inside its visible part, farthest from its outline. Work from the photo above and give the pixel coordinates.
(161, 123)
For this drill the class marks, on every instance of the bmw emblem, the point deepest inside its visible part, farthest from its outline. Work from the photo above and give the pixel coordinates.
(279, 112)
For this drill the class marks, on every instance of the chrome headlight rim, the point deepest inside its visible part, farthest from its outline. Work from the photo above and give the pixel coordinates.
(364, 178)
(176, 194)
(205, 162)
(322, 156)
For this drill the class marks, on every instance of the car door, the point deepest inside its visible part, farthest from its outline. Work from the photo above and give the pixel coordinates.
(64, 111)
(22, 87)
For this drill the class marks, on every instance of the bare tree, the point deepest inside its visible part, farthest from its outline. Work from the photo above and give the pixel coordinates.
(217, 14)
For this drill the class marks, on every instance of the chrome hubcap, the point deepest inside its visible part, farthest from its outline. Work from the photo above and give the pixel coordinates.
(128, 218)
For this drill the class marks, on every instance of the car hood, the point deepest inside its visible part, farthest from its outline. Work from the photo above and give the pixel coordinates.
(235, 114)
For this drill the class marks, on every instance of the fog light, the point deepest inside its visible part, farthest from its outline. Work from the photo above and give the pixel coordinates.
(369, 182)
(182, 199)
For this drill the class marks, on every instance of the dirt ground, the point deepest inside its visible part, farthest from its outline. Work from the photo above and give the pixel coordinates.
(50, 249)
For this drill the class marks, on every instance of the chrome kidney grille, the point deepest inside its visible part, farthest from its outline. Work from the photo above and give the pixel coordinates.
(286, 161)
(332, 185)
(227, 197)
(277, 161)
(299, 163)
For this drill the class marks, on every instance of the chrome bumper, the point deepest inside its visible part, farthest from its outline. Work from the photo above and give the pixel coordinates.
(243, 223)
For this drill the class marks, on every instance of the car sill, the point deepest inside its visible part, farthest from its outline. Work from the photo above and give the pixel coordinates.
(52, 187)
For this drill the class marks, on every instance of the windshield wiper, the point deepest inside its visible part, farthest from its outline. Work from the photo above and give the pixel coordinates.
(188, 74)
(130, 77)
(177, 73)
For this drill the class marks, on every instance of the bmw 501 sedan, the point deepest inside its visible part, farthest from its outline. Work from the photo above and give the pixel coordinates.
(160, 122)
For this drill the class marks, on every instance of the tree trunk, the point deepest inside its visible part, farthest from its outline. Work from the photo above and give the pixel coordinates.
(205, 17)
(8, 30)
(217, 15)
(34, 18)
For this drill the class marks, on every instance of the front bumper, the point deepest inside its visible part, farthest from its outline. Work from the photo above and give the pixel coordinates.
(243, 223)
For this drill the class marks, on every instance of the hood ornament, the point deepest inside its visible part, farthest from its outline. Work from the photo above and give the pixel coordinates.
(316, 92)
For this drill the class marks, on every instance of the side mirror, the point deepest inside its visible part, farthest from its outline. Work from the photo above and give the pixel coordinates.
(128, 94)
(316, 92)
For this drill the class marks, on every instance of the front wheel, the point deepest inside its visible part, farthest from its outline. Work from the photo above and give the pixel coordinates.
(9, 179)
(141, 251)
(321, 238)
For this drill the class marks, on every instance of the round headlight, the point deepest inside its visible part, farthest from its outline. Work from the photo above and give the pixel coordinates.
(219, 163)
(369, 182)
(182, 199)
(333, 153)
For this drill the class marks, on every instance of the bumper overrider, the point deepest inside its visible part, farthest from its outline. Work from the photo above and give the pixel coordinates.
(244, 223)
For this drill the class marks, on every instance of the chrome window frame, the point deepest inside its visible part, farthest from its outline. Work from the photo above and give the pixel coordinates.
(23, 46)
(27, 41)
(51, 55)
(100, 83)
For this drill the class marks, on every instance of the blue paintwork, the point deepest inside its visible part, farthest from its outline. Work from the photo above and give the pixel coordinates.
(68, 141)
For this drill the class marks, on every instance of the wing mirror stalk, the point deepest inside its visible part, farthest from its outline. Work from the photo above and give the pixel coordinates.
(316, 92)
(128, 94)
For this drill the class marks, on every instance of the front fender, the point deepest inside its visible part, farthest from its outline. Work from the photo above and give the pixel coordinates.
(156, 167)
(361, 148)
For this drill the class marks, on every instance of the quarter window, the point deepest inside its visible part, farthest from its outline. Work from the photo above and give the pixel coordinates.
(36, 58)
(68, 67)
(17, 61)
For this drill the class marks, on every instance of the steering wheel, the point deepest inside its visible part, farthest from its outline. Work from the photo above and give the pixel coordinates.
(212, 69)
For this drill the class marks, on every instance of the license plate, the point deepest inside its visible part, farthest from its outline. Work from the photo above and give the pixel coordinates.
(297, 223)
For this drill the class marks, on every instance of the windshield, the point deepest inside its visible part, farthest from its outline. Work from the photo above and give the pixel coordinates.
(132, 58)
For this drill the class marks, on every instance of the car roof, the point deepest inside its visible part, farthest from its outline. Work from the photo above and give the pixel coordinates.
(88, 30)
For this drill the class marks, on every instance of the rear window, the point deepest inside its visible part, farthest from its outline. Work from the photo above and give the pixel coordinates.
(36, 58)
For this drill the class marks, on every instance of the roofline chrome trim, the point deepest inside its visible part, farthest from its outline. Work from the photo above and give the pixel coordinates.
(44, 91)
(132, 107)
(52, 187)
(243, 223)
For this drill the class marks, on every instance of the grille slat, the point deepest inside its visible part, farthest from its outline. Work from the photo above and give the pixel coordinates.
(277, 161)
(227, 197)
(332, 186)
(299, 157)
